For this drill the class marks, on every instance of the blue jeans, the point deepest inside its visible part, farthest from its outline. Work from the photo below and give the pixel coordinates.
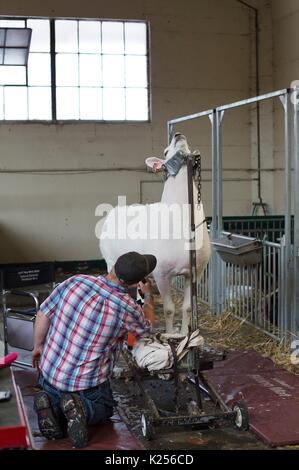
(97, 401)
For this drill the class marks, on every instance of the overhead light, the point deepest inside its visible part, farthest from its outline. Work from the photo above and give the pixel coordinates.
(14, 45)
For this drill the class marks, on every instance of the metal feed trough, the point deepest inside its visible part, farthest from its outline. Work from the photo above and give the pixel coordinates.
(236, 249)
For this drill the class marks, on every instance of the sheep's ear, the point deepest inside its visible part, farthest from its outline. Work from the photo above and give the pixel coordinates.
(155, 164)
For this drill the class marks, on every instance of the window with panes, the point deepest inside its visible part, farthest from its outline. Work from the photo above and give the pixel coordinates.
(78, 70)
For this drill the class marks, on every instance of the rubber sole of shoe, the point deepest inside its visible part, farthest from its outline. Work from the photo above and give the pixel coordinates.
(47, 423)
(76, 428)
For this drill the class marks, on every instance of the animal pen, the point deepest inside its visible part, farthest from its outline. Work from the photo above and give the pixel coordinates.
(266, 293)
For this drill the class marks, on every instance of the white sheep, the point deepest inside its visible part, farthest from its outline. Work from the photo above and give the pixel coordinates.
(162, 229)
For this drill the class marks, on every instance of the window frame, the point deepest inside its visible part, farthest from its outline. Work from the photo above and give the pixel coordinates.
(53, 85)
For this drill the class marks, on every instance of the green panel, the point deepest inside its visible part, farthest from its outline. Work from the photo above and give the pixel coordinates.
(268, 227)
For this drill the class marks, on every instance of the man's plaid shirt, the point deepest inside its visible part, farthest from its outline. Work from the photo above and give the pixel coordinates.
(90, 317)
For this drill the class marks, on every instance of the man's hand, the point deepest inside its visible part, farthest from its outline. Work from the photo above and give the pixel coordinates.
(35, 357)
(148, 307)
(145, 287)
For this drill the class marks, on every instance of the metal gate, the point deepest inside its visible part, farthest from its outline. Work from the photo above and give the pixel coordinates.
(267, 295)
(253, 294)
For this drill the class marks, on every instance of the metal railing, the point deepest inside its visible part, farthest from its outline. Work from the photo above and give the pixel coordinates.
(254, 293)
(204, 286)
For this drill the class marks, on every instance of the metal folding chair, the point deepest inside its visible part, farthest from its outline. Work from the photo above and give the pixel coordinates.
(22, 287)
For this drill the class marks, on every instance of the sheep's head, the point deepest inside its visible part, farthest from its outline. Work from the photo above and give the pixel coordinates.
(178, 143)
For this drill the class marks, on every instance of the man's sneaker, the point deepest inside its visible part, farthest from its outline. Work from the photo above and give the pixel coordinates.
(49, 425)
(76, 419)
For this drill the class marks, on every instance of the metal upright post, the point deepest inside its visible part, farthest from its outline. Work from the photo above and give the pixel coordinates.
(217, 213)
(219, 208)
(192, 247)
(217, 225)
(214, 225)
(287, 261)
(295, 313)
(192, 359)
(219, 117)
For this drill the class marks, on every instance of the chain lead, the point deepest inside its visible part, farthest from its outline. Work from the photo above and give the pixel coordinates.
(197, 172)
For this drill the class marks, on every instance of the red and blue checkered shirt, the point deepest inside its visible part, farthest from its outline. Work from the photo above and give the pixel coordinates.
(90, 318)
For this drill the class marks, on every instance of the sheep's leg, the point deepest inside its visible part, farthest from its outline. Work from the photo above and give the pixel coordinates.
(186, 308)
(163, 284)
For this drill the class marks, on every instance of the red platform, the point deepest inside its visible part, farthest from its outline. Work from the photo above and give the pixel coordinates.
(13, 429)
(270, 392)
(112, 435)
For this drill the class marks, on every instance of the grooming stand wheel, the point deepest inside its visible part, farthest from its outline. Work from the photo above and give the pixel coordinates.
(241, 417)
(147, 428)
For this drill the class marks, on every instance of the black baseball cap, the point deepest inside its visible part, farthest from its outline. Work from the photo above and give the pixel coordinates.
(132, 267)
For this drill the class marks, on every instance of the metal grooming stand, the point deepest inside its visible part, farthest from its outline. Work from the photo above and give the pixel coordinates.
(196, 361)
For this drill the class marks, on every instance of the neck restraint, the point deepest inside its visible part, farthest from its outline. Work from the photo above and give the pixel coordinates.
(175, 163)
